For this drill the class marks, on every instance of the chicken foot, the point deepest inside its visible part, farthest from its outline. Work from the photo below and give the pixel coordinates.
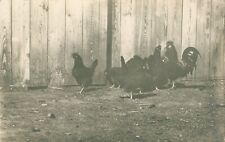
(173, 85)
(81, 91)
(112, 86)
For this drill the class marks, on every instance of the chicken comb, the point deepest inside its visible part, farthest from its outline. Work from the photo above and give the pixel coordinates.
(75, 54)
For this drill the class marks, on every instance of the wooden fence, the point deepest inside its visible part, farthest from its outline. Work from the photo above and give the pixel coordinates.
(139, 25)
(37, 37)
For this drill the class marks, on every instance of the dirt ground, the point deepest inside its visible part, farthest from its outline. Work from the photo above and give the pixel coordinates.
(195, 113)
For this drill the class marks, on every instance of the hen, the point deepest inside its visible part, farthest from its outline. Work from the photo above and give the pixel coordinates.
(115, 75)
(136, 63)
(81, 73)
(157, 68)
(137, 77)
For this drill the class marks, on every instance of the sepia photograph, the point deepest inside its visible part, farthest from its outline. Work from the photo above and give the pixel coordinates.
(112, 71)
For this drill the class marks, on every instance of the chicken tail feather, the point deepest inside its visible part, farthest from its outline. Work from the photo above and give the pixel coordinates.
(122, 61)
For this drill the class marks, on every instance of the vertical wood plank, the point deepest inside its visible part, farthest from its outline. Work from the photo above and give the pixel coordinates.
(189, 23)
(103, 13)
(116, 32)
(90, 41)
(203, 37)
(20, 41)
(90, 30)
(217, 39)
(153, 24)
(127, 28)
(160, 23)
(174, 29)
(142, 27)
(139, 21)
(5, 42)
(38, 49)
(56, 42)
(73, 36)
(91, 38)
(109, 33)
(149, 30)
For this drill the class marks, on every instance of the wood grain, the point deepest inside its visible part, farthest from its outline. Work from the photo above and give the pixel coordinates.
(94, 44)
(20, 41)
(103, 12)
(127, 28)
(203, 42)
(142, 28)
(161, 22)
(38, 47)
(116, 32)
(5, 43)
(74, 21)
(217, 40)
(189, 23)
(56, 42)
(174, 27)
(189, 26)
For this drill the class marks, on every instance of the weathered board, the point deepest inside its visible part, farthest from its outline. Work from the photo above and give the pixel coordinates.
(127, 29)
(38, 46)
(189, 25)
(203, 37)
(142, 28)
(5, 42)
(20, 41)
(109, 34)
(37, 38)
(56, 42)
(93, 45)
(174, 26)
(116, 32)
(74, 21)
(217, 39)
(161, 23)
(102, 56)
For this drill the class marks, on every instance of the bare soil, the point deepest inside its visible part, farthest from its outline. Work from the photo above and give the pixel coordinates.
(194, 113)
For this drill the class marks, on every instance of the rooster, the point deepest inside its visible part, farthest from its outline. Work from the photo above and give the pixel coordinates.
(81, 73)
(190, 57)
(176, 69)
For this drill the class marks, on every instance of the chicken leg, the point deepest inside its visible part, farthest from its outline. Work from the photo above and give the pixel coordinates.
(81, 91)
(131, 95)
(112, 86)
(173, 85)
(156, 89)
(140, 92)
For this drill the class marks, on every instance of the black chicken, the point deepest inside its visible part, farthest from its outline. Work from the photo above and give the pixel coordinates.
(136, 63)
(157, 68)
(136, 78)
(81, 73)
(170, 61)
(190, 57)
(115, 75)
(155, 58)
(176, 69)
(171, 52)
